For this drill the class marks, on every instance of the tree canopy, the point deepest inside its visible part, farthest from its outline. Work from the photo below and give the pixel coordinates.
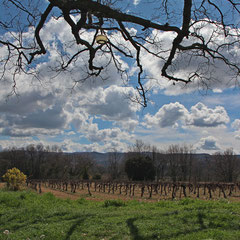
(140, 168)
(204, 36)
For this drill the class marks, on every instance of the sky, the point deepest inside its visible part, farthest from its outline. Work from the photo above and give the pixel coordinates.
(97, 114)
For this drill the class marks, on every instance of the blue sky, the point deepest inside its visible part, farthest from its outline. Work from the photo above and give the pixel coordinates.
(97, 115)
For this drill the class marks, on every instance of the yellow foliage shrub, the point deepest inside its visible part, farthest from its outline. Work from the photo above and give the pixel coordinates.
(14, 178)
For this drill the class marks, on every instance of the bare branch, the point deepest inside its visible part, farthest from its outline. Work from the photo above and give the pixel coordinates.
(184, 33)
(37, 33)
(140, 89)
(103, 17)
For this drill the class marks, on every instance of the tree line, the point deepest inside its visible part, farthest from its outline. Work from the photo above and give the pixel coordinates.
(180, 163)
(142, 162)
(39, 162)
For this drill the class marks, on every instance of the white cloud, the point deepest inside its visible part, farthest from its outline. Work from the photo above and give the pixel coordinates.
(18, 132)
(71, 146)
(136, 2)
(129, 125)
(50, 106)
(106, 135)
(237, 137)
(214, 74)
(50, 109)
(112, 103)
(19, 142)
(236, 124)
(32, 113)
(167, 116)
(202, 116)
(217, 90)
(209, 143)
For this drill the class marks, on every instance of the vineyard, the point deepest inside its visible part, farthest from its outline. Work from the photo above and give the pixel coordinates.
(142, 190)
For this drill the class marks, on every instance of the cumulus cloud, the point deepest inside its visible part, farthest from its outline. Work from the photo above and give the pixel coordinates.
(32, 114)
(19, 142)
(17, 132)
(202, 116)
(72, 146)
(199, 116)
(112, 103)
(106, 135)
(58, 39)
(27, 102)
(53, 107)
(214, 74)
(167, 116)
(236, 124)
(208, 143)
(128, 125)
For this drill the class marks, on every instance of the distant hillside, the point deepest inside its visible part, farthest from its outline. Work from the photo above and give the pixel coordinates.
(102, 158)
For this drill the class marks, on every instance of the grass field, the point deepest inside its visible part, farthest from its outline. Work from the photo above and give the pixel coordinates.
(28, 215)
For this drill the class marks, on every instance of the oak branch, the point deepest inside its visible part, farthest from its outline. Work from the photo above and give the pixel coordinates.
(105, 16)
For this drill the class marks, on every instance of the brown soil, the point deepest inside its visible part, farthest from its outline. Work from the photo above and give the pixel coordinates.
(96, 196)
(100, 196)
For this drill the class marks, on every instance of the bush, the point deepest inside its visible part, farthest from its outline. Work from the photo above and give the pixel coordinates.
(14, 178)
(114, 203)
(97, 177)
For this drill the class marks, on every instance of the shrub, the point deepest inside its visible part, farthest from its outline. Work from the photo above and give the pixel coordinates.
(114, 203)
(14, 178)
(97, 177)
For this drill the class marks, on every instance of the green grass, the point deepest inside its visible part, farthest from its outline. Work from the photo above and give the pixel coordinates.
(28, 215)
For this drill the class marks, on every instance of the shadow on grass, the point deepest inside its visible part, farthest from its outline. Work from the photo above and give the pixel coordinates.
(200, 221)
(133, 229)
(73, 227)
(23, 223)
(165, 236)
(73, 220)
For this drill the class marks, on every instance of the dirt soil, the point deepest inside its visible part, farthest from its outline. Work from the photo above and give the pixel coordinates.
(100, 196)
(96, 196)
(80, 194)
